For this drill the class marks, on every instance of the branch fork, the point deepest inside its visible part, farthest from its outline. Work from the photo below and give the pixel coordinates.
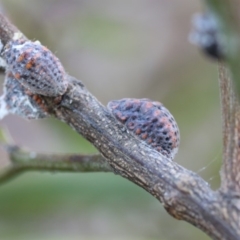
(184, 194)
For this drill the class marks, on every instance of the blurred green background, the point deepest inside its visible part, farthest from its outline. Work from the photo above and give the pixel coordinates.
(127, 48)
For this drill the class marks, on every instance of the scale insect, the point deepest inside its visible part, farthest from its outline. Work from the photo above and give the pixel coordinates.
(150, 121)
(35, 67)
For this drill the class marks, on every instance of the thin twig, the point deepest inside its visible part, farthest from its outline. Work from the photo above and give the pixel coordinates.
(22, 160)
(183, 193)
(227, 13)
(227, 97)
(229, 81)
(9, 172)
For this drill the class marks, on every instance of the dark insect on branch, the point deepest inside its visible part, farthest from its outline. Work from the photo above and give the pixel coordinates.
(137, 139)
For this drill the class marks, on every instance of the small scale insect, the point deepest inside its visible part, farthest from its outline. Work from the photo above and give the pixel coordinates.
(207, 35)
(150, 121)
(35, 67)
(16, 100)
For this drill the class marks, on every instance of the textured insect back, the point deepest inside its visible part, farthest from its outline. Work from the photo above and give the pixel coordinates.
(150, 121)
(35, 67)
(15, 100)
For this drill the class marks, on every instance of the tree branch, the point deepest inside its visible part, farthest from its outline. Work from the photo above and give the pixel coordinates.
(230, 174)
(226, 13)
(7, 30)
(21, 161)
(183, 193)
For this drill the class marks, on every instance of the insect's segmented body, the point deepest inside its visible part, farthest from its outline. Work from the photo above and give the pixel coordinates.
(150, 121)
(35, 67)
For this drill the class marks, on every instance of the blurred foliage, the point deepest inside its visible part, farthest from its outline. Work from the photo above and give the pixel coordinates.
(128, 48)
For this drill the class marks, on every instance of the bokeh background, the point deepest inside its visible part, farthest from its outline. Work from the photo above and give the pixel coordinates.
(127, 48)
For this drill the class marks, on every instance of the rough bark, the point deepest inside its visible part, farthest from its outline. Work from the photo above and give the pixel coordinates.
(184, 194)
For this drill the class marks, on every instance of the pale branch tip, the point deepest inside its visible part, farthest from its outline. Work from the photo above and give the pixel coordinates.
(184, 194)
(226, 14)
(207, 35)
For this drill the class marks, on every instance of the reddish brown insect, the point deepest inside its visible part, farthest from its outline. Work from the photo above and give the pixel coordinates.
(150, 121)
(36, 68)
